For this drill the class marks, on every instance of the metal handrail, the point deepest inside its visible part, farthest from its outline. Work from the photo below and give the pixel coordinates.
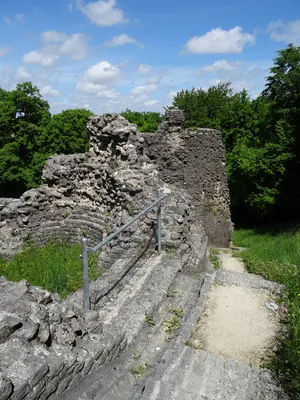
(86, 249)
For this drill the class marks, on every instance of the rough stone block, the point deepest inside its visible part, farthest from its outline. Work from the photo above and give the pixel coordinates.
(6, 387)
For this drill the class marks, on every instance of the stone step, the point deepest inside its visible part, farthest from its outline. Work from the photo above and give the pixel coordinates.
(180, 290)
(244, 279)
(141, 296)
(196, 374)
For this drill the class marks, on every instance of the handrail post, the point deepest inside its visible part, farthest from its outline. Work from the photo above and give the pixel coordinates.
(158, 225)
(85, 272)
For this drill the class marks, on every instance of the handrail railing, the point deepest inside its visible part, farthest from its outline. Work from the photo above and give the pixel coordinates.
(86, 249)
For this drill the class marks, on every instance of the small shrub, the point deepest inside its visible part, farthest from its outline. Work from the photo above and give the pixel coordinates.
(149, 320)
(139, 370)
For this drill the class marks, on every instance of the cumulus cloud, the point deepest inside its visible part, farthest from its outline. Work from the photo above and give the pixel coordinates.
(74, 46)
(144, 69)
(103, 13)
(102, 73)
(221, 65)
(48, 91)
(121, 40)
(288, 32)
(140, 90)
(22, 74)
(102, 91)
(53, 36)
(38, 57)
(4, 51)
(97, 80)
(220, 41)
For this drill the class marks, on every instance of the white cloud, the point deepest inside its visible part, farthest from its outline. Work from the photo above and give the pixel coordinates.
(221, 65)
(121, 40)
(288, 32)
(139, 90)
(20, 17)
(103, 13)
(22, 74)
(102, 73)
(70, 7)
(144, 69)
(39, 58)
(220, 41)
(7, 20)
(150, 102)
(49, 91)
(74, 46)
(4, 51)
(154, 79)
(97, 80)
(53, 36)
(101, 91)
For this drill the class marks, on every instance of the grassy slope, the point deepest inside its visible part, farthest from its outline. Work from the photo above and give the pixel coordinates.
(55, 267)
(276, 256)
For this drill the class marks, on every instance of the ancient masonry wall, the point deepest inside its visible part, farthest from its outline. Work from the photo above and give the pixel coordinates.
(47, 344)
(194, 160)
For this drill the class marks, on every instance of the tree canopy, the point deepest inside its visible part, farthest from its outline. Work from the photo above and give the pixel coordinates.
(146, 121)
(29, 134)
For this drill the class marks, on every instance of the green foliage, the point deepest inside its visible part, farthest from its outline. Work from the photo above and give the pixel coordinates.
(28, 135)
(55, 267)
(23, 115)
(149, 320)
(139, 370)
(261, 138)
(204, 109)
(66, 133)
(170, 326)
(276, 256)
(145, 121)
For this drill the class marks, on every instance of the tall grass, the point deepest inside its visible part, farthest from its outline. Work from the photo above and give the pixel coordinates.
(55, 267)
(276, 256)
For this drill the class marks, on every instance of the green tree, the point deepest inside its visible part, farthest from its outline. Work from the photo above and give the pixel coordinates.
(22, 122)
(283, 94)
(146, 121)
(204, 108)
(66, 133)
(7, 117)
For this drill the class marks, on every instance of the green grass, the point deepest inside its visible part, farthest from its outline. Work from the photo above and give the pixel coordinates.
(55, 267)
(276, 256)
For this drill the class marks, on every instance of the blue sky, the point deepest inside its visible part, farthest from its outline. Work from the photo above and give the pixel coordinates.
(110, 55)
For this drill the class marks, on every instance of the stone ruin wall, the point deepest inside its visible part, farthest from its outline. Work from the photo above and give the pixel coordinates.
(195, 161)
(47, 344)
(97, 191)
